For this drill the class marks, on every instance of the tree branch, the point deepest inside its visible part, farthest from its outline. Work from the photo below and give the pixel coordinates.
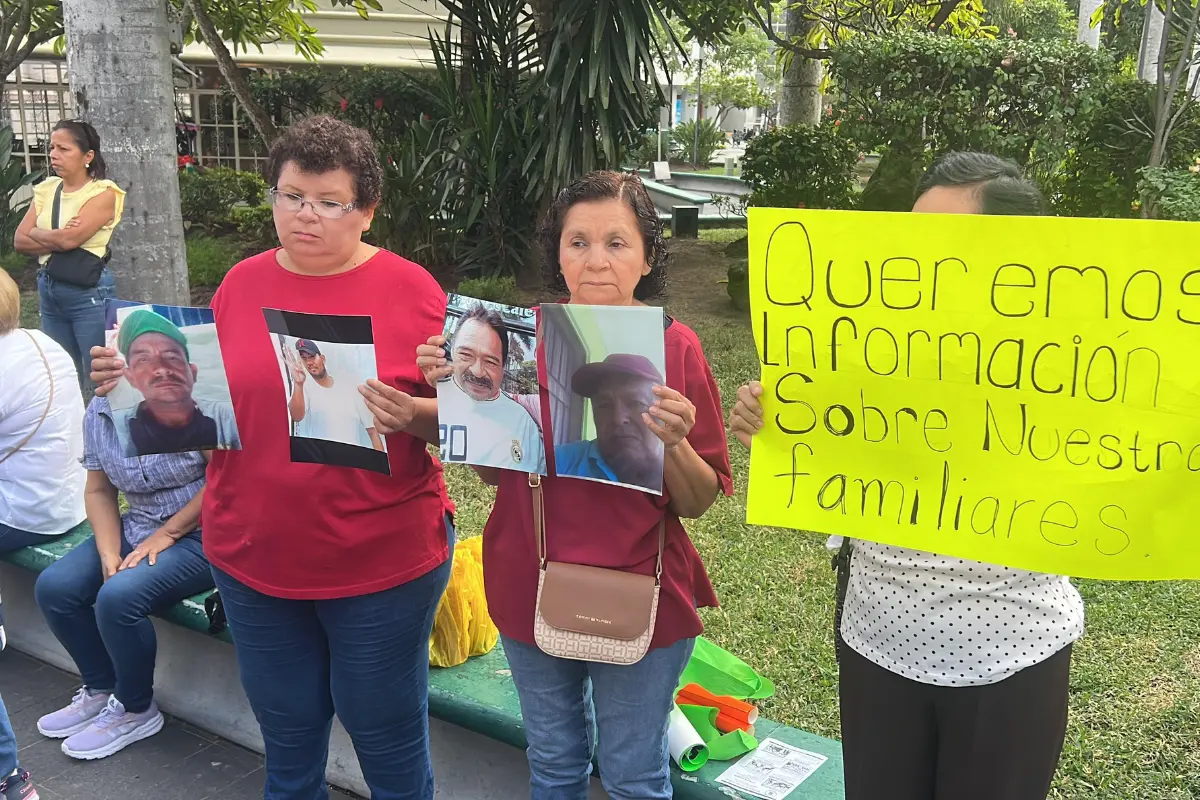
(768, 27)
(237, 81)
(943, 14)
(18, 34)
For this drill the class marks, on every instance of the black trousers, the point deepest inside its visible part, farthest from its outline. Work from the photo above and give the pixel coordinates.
(905, 740)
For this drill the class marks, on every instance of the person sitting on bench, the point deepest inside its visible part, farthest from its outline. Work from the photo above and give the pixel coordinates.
(97, 597)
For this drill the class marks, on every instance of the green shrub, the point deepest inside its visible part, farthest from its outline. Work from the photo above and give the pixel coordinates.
(495, 288)
(14, 263)
(209, 259)
(256, 225)
(208, 196)
(1100, 176)
(1173, 193)
(738, 285)
(683, 140)
(912, 96)
(13, 178)
(801, 166)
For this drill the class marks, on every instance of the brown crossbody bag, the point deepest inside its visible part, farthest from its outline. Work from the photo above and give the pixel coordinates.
(591, 613)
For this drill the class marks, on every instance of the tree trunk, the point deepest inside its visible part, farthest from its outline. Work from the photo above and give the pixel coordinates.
(1152, 33)
(1085, 32)
(233, 74)
(800, 86)
(119, 69)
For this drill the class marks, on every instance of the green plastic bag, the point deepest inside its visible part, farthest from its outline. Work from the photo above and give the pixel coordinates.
(723, 673)
(721, 746)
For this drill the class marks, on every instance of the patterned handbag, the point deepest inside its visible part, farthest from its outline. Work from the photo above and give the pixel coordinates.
(591, 613)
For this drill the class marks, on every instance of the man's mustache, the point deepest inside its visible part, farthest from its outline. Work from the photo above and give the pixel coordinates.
(167, 381)
(483, 382)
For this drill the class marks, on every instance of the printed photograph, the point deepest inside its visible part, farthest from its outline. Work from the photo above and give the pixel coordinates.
(602, 364)
(323, 359)
(482, 418)
(174, 394)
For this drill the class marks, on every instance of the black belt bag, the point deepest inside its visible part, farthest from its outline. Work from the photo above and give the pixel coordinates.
(77, 267)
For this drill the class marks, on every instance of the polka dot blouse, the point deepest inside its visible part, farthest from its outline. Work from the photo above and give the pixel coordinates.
(952, 622)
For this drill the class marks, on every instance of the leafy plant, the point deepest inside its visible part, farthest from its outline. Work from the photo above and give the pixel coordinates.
(1032, 19)
(496, 289)
(13, 178)
(14, 263)
(1174, 193)
(1100, 177)
(712, 139)
(207, 196)
(914, 95)
(256, 225)
(209, 259)
(738, 285)
(801, 166)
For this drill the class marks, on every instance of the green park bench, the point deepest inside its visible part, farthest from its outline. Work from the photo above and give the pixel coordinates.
(479, 696)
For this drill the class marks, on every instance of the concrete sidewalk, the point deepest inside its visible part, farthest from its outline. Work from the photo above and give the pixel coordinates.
(181, 762)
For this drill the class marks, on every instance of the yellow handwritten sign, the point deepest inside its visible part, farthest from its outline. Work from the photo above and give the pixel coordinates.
(1024, 392)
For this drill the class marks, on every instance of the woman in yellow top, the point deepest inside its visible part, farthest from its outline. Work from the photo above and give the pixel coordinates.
(74, 281)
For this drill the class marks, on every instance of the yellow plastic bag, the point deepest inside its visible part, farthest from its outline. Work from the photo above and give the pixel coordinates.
(462, 627)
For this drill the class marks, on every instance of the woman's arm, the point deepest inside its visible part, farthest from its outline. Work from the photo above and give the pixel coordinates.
(489, 475)
(23, 242)
(181, 523)
(424, 424)
(95, 214)
(104, 515)
(691, 482)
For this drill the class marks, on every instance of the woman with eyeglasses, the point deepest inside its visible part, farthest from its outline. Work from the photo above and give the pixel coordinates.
(329, 576)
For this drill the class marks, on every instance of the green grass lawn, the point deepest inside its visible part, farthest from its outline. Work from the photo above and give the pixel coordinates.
(1135, 685)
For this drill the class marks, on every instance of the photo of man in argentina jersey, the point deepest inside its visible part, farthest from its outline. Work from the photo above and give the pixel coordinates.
(491, 348)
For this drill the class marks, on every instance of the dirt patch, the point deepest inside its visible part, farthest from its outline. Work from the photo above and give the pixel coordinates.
(696, 283)
(1192, 661)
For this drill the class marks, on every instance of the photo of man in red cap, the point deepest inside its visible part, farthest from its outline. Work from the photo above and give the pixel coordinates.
(625, 450)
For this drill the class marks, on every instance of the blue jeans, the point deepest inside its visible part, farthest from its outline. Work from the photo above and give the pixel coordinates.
(8, 744)
(365, 657)
(574, 708)
(15, 538)
(104, 626)
(74, 317)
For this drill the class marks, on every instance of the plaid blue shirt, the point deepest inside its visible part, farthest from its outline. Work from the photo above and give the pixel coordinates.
(155, 487)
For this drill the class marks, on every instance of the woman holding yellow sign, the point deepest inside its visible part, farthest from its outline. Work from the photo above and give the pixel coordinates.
(953, 673)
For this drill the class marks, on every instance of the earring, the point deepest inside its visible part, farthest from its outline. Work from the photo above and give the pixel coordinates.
(87, 166)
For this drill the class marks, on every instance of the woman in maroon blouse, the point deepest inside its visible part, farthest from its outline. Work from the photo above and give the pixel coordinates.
(602, 241)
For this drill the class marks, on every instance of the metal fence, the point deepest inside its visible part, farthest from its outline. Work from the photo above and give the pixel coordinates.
(208, 120)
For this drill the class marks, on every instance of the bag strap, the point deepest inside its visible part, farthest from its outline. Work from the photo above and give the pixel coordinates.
(56, 209)
(539, 527)
(49, 402)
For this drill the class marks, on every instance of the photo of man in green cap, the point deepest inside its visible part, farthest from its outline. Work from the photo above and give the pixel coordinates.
(159, 365)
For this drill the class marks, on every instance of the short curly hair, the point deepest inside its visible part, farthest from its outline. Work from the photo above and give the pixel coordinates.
(607, 185)
(322, 144)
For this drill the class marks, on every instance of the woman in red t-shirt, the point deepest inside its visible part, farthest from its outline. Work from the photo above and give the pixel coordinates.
(329, 576)
(603, 242)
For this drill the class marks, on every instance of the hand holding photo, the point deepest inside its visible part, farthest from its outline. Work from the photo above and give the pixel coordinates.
(490, 351)
(606, 371)
(325, 360)
(173, 396)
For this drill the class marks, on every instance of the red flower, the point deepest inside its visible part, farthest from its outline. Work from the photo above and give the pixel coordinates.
(344, 104)
(379, 104)
(800, 205)
(837, 123)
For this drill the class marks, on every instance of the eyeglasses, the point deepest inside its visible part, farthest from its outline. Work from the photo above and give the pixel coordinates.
(328, 209)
